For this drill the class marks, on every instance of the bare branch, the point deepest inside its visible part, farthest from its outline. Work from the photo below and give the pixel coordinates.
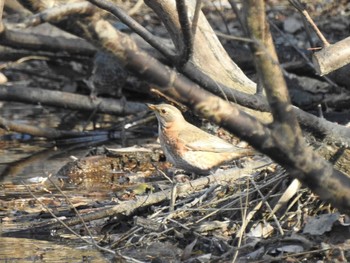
(187, 36)
(69, 100)
(135, 26)
(301, 8)
(332, 57)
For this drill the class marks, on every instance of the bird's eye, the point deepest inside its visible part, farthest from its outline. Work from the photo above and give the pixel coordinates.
(163, 111)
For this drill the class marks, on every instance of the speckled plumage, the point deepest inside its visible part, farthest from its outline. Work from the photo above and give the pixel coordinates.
(189, 148)
(108, 76)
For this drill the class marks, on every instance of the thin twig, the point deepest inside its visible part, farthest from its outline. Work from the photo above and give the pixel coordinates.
(302, 54)
(245, 220)
(218, 11)
(268, 206)
(238, 13)
(21, 60)
(63, 223)
(230, 37)
(75, 210)
(301, 8)
(195, 19)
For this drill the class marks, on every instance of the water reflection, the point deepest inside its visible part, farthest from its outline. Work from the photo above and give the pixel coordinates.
(33, 250)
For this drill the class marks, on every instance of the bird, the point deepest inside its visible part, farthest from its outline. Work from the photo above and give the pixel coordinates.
(188, 147)
(108, 77)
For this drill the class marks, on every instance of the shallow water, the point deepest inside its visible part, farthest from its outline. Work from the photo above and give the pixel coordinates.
(26, 161)
(34, 250)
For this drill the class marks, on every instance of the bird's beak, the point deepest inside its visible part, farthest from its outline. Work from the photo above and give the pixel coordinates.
(152, 106)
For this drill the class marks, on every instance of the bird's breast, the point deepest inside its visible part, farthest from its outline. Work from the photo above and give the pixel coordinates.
(172, 146)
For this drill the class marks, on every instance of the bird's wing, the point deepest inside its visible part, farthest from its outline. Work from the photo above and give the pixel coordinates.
(199, 140)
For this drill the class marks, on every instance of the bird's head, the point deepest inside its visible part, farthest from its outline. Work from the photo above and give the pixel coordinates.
(166, 114)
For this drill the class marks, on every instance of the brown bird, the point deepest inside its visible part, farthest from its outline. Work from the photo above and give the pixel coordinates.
(189, 148)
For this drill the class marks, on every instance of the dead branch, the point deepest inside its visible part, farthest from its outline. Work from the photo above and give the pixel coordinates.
(9, 54)
(184, 189)
(35, 42)
(219, 88)
(301, 8)
(337, 133)
(301, 162)
(206, 47)
(69, 100)
(164, 77)
(187, 36)
(241, 124)
(136, 27)
(246, 127)
(332, 57)
(54, 134)
(92, 242)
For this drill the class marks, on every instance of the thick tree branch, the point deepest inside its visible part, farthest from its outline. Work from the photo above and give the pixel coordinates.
(17, 39)
(206, 47)
(332, 57)
(187, 37)
(136, 27)
(285, 134)
(266, 61)
(330, 184)
(69, 100)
